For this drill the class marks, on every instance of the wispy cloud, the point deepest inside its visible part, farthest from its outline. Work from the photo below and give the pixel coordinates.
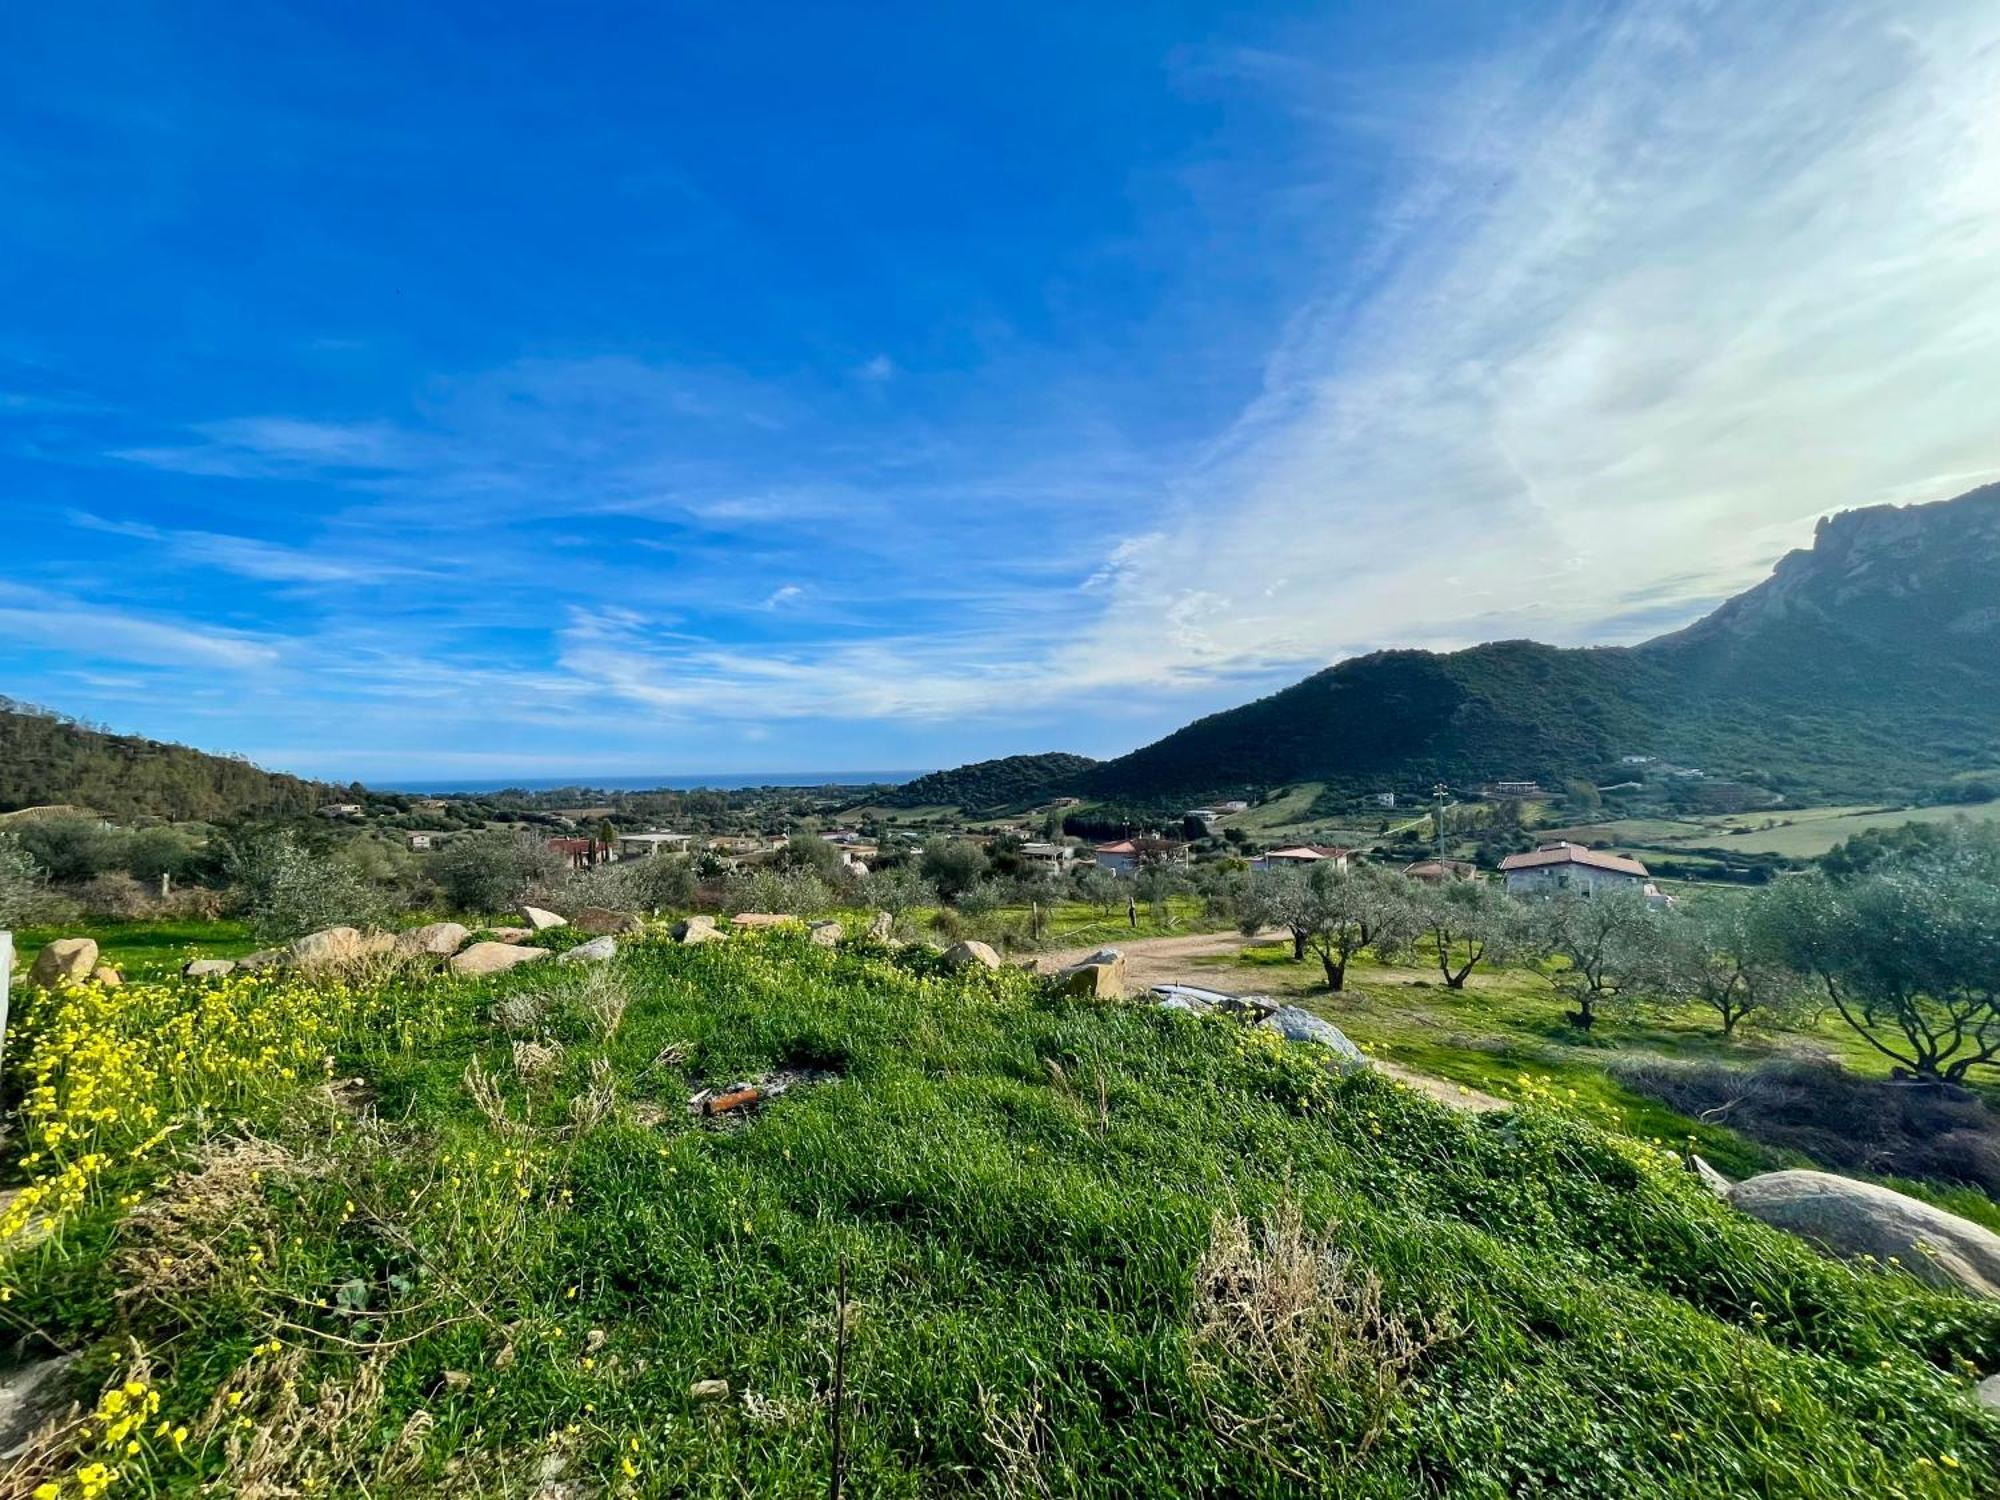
(67, 626)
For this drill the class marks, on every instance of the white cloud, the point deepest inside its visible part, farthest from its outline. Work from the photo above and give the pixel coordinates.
(876, 371)
(71, 627)
(789, 593)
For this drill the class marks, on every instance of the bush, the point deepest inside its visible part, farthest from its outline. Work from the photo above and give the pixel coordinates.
(288, 890)
(72, 849)
(493, 872)
(25, 898)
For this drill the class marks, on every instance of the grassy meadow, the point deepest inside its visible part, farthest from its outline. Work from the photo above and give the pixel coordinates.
(408, 1235)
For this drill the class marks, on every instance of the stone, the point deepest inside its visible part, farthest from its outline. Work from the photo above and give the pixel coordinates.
(1296, 1025)
(263, 958)
(106, 976)
(1850, 1218)
(970, 955)
(539, 919)
(1709, 1178)
(749, 919)
(29, 1395)
(602, 921)
(335, 946)
(207, 968)
(709, 1390)
(684, 930)
(1988, 1392)
(881, 927)
(494, 958)
(827, 934)
(64, 961)
(511, 934)
(1099, 977)
(596, 951)
(439, 939)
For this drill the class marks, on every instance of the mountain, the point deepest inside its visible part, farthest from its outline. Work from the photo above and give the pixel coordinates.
(990, 785)
(45, 758)
(1866, 664)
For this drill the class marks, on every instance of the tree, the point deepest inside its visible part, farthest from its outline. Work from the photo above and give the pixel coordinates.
(896, 890)
(72, 849)
(1591, 943)
(953, 867)
(24, 894)
(1332, 913)
(812, 855)
(1908, 952)
(1722, 953)
(485, 873)
(1471, 923)
(290, 890)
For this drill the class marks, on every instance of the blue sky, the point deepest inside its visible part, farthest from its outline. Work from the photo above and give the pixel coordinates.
(404, 391)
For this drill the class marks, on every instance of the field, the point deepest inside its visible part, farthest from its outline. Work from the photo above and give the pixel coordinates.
(1805, 833)
(1088, 1249)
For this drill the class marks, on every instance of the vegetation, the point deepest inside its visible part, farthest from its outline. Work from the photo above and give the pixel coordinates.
(1087, 1250)
(46, 760)
(988, 785)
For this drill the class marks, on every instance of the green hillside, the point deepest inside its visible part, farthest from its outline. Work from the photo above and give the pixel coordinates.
(1094, 1250)
(989, 785)
(46, 758)
(1865, 666)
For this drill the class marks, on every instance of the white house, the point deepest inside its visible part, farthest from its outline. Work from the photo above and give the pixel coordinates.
(1121, 858)
(1303, 857)
(1565, 866)
(644, 845)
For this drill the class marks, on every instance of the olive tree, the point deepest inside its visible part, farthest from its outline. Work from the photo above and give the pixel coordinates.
(1334, 913)
(1722, 953)
(1908, 952)
(953, 867)
(24, 892)
(1592, 943)
(290, 890)
(1470, 923)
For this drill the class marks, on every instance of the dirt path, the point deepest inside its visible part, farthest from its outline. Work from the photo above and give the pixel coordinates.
(1151, 961)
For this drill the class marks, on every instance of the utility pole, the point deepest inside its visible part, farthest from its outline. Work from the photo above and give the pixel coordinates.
(1437, 820)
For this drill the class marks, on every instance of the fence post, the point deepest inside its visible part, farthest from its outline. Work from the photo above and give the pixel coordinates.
(6, 979)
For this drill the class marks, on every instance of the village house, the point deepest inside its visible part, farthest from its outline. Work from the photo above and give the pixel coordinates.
(1053, 858)
(1120, 858)
(581, 853)
(1303, 857)
(646, 845)
(1235, 805)
(1506, 789)
(1440, 871)
(341, 810)
(428, 838)
(1564, 866)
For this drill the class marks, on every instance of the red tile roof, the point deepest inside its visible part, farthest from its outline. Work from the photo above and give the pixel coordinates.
(1574, 854)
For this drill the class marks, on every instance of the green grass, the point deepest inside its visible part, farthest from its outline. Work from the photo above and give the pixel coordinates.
(1021, 1189)
(1801, 833)
(143, 949)
(1510, 1024)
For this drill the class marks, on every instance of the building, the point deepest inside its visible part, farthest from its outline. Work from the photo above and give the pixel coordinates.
(1440, 871)
(643, 847)
(581, 853)
(430, 838)
(1054, 858)
(1564, 866)
(1384, 799)
(1121, 858)
(341, 810)
(1235, 805)
(1303, 857)
(1515, 789)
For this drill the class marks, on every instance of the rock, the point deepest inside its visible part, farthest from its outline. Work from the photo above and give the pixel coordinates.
(207, 968)
(511, 934)
(494, 958)
(602, 921)
(1852, 1218)
(684, 930)
(709, 1390)
(107, 976)
(881, 927)
(64, 961)
(969, 954)
(263, 958)
(1296, 1025)
(749, 919)
(1099, 977)
(596, 951)
(440, 939)
(335, 946)
(29, 1395)
(541, 920)
(1709, 1178)
(827, 934)
(1988, 1392)
(1190, 998)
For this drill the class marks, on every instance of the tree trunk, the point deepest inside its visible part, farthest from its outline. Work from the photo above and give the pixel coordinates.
(1585, 1015)
(1336, 972)
(1298, 947)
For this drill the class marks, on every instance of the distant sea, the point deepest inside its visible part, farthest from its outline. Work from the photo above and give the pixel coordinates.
(717, 783)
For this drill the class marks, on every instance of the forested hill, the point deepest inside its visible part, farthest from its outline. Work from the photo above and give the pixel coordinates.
(1014, 781)
(1866, 665)
(45, 758)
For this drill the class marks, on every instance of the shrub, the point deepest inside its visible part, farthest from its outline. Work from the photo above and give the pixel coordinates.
(289, 890)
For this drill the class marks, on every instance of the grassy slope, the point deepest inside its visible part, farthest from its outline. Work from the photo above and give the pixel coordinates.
(1021, 1259)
